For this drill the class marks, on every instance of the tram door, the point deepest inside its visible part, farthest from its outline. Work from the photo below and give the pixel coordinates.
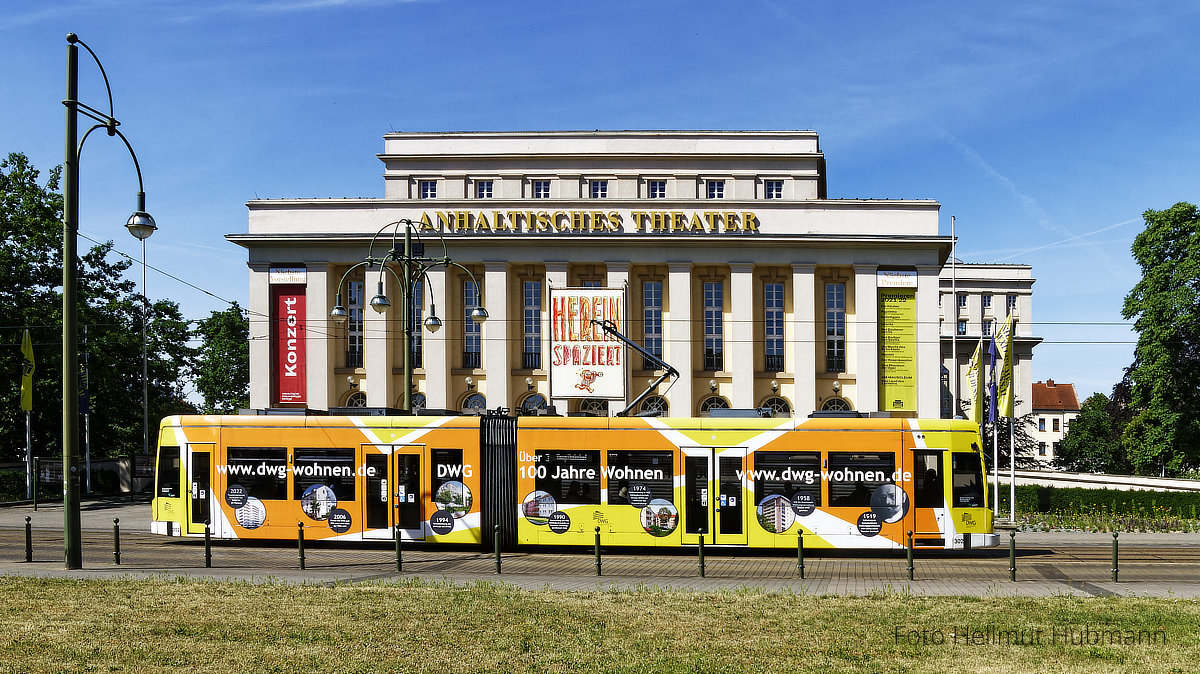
(393, 491)
(199, 485)
(714, 495)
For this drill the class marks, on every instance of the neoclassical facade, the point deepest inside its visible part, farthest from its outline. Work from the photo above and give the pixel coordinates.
(732, 264)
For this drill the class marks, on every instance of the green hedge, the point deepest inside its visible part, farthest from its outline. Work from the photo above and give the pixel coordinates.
(12, 487)
(1036, 498)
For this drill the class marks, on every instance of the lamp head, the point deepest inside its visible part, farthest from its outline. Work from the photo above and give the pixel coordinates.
(141, 225)
(479, 314)
(380, 303)
(433, 323)
(339, 314)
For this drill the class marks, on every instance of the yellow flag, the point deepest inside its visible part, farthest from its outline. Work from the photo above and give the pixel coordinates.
(975, 385)
(1004, 344)
(27, 373)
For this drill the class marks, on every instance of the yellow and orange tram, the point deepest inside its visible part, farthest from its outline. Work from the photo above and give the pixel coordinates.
(737, 482)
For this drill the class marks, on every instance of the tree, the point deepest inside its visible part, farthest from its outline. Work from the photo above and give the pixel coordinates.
(221, 367)
(109, 322)
(1164, 434)
(1093, 442)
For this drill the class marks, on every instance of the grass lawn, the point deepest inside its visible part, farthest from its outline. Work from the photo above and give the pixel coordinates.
(206, 626)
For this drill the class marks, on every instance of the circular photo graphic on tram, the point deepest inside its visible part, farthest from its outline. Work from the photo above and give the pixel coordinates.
(252, 514)
(538, 507)
(775, 514)
(660, 517)
(889, 502)
(454, 498)
(318, 501)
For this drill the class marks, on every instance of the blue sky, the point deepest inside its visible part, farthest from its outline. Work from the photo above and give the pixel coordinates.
(1045, 128)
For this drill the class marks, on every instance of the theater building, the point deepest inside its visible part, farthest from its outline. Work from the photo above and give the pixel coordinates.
(718, 252)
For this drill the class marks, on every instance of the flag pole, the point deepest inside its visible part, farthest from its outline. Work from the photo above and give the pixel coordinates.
(954, 373)
(29, 484)
(1012, 448)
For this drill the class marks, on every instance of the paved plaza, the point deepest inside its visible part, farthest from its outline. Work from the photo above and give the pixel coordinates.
(1048, 564)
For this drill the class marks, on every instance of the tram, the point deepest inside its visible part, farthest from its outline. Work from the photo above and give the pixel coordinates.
(858, 483)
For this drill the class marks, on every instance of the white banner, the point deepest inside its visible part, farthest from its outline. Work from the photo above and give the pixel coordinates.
(585, 361)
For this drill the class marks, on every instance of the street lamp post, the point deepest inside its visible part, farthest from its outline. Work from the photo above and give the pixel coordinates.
(139, 222)
(414, 266)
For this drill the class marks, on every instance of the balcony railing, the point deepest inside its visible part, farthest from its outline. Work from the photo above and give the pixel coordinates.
(354, 358)
(773, 363)
(471, 360)
(531, 360)
(714, 361)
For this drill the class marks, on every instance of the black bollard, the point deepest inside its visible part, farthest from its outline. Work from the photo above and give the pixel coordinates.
(117, 541)
(1116, 568)
(800, 553)
(300, 542)
(701, 553)
(399, 552)
(1012, 556)
(910, 556)
(207, 544)
(496, 545)
(28, 539)
(598, 573)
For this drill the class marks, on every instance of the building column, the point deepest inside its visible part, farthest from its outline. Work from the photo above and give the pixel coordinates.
(929, 344)
(677, 333)
(436, 357)
(260, 336)
(618, 277)
(556, 277)
(741, 346)
(804, 344)
(319, 344)
(379, 356)
(866, 338)
(497, 359)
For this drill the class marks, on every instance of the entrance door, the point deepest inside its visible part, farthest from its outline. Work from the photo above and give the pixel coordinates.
(393, 491)
(714, 494)
(200, 488)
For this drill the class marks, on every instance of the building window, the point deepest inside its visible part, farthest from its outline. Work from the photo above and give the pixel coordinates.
(778, 406)
(594, 407)
(416, 302)
(714, 325)
(1054, 449)
(475, 403)
(357, 399)
(593, 283)
(472, 331)
(419, 401)
(1054, 425)
(962, 328)
(773, 189)
(835, 405)
(652, 322)
(483, 189)
(656, 189)
(531, 355)
(1012, 304)
(599, 189)
(428, 189)
(773, 327)
(532, 403)
(835, 327)
(987, 327)
(1042, 425)
(654, 405)
(962, 300)
(1041, 449)
(987, 301)
(541, 189)
(713, 403)
(354, 324)
(716, 189)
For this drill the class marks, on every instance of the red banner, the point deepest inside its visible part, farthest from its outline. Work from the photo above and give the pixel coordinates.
(289, 342)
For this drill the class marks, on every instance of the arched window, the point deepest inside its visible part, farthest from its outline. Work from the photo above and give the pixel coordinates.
(476, 403)
(655, 404)
(594, 407)
(532, 403)
(356, 399)
(778, 406)
(713, 403)
(419, 401)
(836, 405)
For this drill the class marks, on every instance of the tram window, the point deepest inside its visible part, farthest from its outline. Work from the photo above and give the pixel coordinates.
(853, 476)
(785, 474)
(653, 469)
(570, 477)
(261, 470)
(168, 472)
(968, 481)
(449, 491)
(927, 471)
(331, 467)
